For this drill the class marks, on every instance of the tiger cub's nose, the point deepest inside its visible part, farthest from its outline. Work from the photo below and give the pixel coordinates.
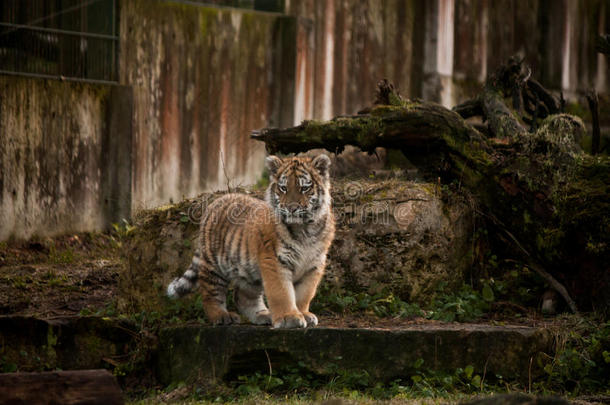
(293, 207)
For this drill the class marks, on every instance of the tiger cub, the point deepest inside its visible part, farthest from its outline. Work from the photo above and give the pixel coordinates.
(277, 246)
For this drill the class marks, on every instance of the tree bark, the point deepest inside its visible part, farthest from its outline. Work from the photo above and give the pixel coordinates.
(415, 126)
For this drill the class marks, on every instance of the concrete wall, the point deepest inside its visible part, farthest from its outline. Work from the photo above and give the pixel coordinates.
(202, 79)
(345, 47)
(197, 79)
(64, 156)
(439, 50)
(556, 38)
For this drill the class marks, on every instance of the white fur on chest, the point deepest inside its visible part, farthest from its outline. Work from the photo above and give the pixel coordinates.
(304, 255)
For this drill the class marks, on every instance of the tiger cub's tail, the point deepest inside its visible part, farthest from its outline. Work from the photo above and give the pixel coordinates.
(186, 282)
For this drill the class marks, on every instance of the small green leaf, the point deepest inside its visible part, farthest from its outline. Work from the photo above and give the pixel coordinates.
(468, 371)
(488, 294)
(476, 381)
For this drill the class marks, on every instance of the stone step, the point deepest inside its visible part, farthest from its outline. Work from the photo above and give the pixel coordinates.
(206, 353)
(188, 353)
(70, 343)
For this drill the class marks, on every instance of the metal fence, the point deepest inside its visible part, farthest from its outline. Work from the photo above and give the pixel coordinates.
(71, 39)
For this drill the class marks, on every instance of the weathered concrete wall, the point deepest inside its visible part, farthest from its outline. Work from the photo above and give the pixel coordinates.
(203, 78)
(344, 47)
(439, 50)
(556, 37)
(64, 156)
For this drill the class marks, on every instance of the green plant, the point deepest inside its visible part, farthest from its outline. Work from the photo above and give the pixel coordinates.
(298, 380)
(582, 361)
(465, 305)
(121, 231)
(65, 256)
(7, 366)
(333, 299)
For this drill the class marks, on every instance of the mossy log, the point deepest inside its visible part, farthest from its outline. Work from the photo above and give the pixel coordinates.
(548, 198)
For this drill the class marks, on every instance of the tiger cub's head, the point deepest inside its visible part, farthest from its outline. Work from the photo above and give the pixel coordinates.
(299, 188)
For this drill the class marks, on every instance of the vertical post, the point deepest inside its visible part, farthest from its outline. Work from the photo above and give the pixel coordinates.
(438, 52)
(304, 70)
(116, 153)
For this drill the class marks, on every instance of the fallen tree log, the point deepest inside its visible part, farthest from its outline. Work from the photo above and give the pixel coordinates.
(61, 387)
(551, 196)
(409, 126)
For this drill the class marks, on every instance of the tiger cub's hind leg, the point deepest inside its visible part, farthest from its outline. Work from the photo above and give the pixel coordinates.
(249, 301)
(214, 294)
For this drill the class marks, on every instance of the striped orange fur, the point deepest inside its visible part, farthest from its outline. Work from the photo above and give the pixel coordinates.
(277, 247)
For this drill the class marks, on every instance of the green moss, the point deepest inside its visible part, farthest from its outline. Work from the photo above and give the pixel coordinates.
(51, 354)
(584, 203)
(93, 344)
(207, 17)
(364, 130)
(558, 135)
(388, 110)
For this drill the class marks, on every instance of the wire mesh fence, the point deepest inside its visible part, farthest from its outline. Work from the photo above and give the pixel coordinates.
(72, 39)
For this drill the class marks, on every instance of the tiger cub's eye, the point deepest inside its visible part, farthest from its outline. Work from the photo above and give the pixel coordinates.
(281, 188)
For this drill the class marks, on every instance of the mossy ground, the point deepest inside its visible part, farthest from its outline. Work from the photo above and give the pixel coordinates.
(78, 274)
(48, 277)
(321, 398)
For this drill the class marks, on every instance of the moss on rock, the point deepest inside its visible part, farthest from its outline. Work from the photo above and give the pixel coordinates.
(393, 234)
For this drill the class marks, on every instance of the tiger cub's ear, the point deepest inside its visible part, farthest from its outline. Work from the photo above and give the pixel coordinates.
(273, 163)
(321, 163)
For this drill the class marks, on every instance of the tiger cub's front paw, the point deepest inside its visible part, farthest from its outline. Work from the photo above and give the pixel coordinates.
(310, 318)
(262, 318)
(224, 318)
(292, 320)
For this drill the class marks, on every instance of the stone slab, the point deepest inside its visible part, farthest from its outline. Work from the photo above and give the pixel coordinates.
(188, 353)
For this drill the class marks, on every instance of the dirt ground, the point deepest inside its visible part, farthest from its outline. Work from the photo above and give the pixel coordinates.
(58, 277)
(78, 275)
